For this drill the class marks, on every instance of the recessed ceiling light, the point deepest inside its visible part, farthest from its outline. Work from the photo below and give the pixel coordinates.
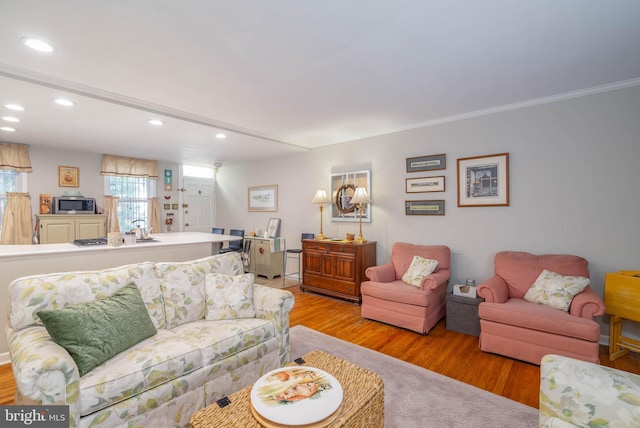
(64, 102)
(156, 122)
(15, 107)
(8, 129)
(37, 44)
(11, 119)
(221, 136)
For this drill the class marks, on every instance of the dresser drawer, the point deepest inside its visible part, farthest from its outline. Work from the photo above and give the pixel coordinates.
(342, 287)
(315, 246)
(343, 249)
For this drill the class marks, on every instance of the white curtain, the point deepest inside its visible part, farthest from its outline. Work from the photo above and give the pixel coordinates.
(111, 210)
(129, 167)
(16, 222)
(15, 156)
(154, 215)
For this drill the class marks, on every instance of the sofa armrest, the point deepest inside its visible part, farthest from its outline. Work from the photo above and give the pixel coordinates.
(44, 371)
(587, 394)
(275, 305)
(494, 290)
(587, 304)
(381, 273)
(435, 280)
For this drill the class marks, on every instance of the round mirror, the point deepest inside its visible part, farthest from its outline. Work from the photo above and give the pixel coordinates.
(343, 198)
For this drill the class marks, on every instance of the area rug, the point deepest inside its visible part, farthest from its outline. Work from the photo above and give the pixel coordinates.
(416, 397)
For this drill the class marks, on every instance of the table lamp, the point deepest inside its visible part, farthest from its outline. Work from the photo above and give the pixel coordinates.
(320, 198)
(360, 197)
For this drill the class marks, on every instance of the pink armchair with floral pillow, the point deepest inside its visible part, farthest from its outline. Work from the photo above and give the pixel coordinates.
(410, 291)
(537, 305)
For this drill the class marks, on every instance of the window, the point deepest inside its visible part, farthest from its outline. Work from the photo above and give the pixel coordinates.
(134, 193)
(10, 181)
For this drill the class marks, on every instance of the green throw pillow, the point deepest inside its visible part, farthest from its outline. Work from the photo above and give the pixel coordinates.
(95, 331)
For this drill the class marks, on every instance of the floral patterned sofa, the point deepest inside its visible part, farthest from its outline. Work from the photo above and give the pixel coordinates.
(575, 393)
(187, 364)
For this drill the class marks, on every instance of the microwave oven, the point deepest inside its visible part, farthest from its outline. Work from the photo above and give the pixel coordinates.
(73, 205)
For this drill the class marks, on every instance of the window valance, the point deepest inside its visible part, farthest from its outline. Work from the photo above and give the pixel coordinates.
(15, 156)
(129, 167)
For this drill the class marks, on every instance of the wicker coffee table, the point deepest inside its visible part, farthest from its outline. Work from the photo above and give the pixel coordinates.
(362, 405)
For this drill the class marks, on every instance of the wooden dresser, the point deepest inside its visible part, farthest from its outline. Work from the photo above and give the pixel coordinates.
(336, 268)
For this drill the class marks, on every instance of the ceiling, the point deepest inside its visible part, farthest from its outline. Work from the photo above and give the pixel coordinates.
(285, 76)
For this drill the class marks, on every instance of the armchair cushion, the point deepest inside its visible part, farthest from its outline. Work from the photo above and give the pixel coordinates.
(418, 270)
(555, 290)
(402, 256)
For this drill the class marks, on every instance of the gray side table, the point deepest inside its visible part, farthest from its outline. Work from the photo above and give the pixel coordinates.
(462, 314)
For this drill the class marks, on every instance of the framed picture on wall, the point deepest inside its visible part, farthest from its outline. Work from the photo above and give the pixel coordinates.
(427, 163)
(68, 176)
(483, 181)
(424, 184)
(431, 207)
(263, 198)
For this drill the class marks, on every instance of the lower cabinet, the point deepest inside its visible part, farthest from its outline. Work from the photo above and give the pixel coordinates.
(62, 228)
(336, 268)
(262, 261)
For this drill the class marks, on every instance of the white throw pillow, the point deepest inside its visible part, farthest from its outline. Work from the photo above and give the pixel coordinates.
(229, 296)
(555, 290)
(418, 269)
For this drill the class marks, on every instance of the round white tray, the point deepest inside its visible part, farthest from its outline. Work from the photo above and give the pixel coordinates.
(296, 395)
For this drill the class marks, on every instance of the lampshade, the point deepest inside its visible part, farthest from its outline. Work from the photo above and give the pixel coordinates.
(361, 196)
(320, 197)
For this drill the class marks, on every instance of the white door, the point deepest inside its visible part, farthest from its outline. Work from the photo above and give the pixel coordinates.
(197, 204)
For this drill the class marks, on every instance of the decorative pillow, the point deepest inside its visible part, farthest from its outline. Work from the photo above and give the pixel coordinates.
(555, 290)
(95, 331)
(418, 269)
(229, 296)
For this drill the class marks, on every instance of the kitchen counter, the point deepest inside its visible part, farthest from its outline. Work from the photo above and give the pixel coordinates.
(22, 260)
(164, 239)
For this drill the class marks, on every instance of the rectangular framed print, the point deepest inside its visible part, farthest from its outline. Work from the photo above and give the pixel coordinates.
(431, 207)
(424, 184)
(263, 198)
(426, 163)
(483, 181)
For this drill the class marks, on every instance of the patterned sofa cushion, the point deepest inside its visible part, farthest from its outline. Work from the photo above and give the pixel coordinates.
(182, 286)
(159, 359)
(31, 294)
(221, 339)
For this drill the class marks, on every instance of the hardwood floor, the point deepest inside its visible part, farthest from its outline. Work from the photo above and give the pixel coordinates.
(446, 352)
(449, 353)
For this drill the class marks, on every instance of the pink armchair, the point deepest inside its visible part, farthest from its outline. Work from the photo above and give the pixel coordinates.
(388, 299)
(523, 330)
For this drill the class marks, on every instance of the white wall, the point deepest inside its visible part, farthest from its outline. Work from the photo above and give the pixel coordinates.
(573, 179)
(44, 178)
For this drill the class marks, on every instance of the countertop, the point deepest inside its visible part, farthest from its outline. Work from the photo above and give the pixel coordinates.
(164, 239)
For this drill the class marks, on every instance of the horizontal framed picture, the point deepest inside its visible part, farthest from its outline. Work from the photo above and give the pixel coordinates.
(483, 181)
(263, 198)
(425, 184)
(431, 207)
(427, 163)
(167, 206)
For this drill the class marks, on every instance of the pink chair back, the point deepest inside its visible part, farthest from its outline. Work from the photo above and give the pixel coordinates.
(520, 269)
(402, 254)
